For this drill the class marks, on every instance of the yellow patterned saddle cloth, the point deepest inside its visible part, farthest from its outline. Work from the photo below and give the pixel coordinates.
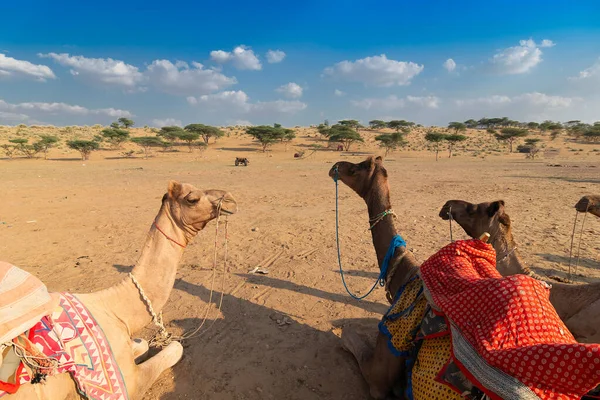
(414, 331)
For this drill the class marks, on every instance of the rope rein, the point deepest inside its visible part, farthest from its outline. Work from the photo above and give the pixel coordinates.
(396, 242)
(579, 243)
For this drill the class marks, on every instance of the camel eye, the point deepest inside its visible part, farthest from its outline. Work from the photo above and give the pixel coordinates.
(193, 200)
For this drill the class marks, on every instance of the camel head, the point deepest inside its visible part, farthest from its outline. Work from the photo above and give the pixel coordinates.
(589, 204)
(360, 177)
(476, 219)
(192, 208)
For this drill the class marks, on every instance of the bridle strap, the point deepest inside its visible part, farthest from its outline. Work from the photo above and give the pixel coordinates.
(167, 236)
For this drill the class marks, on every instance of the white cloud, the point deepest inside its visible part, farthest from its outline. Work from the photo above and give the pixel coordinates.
(61, 108)
(239, 102)
(181, 79)
(424, 101)
(291, 90)
(393, 102)
(588, 73)
(159, 123)
(531, 100)
(242, 57)
(239, 122)
(275, 56)
(338, 93)
(375, 71)
(104, 70)
(547, 43)
(12, 118)
(518, 59)
(12, 67)
(177, 78)
(450, 65)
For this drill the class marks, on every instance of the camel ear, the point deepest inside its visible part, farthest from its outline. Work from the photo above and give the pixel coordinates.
(504, 219)
(497, 207)
(379, 159)
(175, 189)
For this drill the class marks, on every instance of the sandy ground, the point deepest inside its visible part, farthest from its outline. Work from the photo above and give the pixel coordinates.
(78, 226)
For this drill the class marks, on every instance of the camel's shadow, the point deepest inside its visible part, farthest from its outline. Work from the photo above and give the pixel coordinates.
(252, 353)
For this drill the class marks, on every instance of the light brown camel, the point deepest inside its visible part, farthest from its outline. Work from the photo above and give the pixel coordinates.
(589, 204)
(120, 311)
(382, 370)
(577, 305)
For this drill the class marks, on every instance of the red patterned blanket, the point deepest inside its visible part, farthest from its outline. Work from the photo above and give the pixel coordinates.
(72, 337)
(506, 335)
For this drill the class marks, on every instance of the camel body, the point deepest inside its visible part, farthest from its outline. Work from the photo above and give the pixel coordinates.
(120, 310)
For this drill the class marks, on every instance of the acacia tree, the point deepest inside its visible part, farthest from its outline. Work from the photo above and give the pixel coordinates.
(510, 135)
(146, 142)
(46, 142)
(127, 123)
(116, 137)
(205, 131)
(85, 147)
(531, 147)
(28, 150)
(533, 125)
(471, 123)
(377, 124)
(457, 126)
(344, 135)
(435, 138)
(170, 133)
(452, 140)
(287, 136)
(351, 123)
(397, 125)
(9, 150)
(190, 138)
(266, 135)
(391, 141)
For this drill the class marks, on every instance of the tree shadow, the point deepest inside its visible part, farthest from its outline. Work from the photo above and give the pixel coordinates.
(66, 159)
(249, 354)
(338, 298)
(244, 149)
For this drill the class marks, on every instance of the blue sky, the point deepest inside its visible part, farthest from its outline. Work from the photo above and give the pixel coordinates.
(298, 63)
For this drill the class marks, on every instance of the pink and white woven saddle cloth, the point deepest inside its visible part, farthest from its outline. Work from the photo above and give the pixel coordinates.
(71, 336)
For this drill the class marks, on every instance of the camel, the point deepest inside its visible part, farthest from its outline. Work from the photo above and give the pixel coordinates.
(120, 310)
(577, 305)
(381, 369)
(589, 204)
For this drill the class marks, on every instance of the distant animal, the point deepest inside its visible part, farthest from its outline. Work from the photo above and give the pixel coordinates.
(241, 160)
(340, 147)
(297, 155)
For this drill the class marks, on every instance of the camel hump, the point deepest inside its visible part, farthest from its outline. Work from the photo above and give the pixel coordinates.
(24, 300)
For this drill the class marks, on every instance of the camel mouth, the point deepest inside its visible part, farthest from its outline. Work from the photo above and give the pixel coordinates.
(444, 213)
(227, 212)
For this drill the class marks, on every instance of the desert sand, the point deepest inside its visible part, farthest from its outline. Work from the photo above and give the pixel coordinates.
(79, 225)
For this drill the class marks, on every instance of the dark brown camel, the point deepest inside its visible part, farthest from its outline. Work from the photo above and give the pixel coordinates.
(368, 179)
(589, 204)
(577, 305)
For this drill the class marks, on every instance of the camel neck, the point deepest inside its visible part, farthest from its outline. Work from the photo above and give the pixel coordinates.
(378, 201)
(508, 261)
(155, 271)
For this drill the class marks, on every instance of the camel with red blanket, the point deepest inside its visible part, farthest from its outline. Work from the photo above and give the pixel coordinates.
(121, 310)
(577, 305)
(432, 342)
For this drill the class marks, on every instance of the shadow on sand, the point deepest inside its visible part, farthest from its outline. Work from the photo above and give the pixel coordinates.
(248, 355)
